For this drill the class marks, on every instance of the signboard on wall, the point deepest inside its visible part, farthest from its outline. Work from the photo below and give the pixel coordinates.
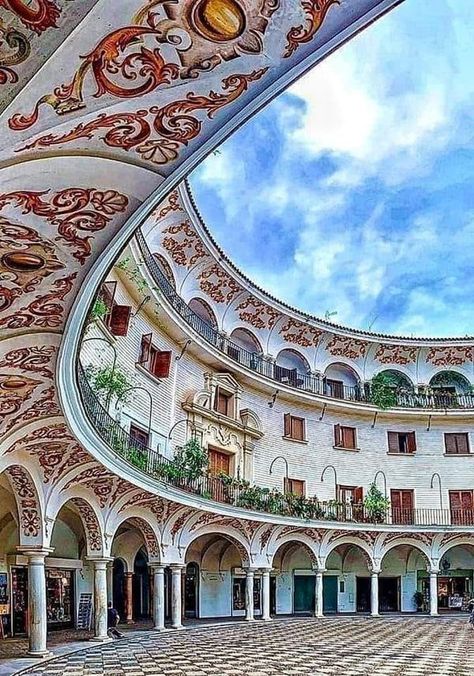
(84, 613)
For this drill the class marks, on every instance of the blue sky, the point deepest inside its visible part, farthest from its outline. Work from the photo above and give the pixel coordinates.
(353, 192)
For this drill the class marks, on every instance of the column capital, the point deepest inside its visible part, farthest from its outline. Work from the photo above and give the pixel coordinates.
(375, 571)
(177, 567)
(319, 569)
(36, 553)
(99, 561)
(433, 571)
(157, 567)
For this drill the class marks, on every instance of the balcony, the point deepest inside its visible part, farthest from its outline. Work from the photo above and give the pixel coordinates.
(240, 494)
(290, 377)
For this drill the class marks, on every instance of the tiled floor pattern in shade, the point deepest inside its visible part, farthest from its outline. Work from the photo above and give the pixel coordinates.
(291, 647)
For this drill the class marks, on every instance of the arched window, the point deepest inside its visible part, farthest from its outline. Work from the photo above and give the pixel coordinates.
(204, 311)
(398, 380)
(450, 383)
(165, 268)
(291, 367)
(341, 381)
(246, 340)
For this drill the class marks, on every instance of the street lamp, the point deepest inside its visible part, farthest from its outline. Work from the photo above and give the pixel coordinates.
(439, 487)
(335, 477)
(384, 480)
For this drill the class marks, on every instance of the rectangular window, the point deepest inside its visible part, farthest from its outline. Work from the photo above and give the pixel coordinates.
(223, 403)
(402, 506)
(461, 505)
(219, 463)
(157, 362)
(294, 428)
(139, 437)
(401, 442)
(456, 443)
(294, 486)
(345, 437)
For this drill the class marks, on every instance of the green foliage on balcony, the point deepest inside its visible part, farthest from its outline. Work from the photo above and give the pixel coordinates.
(107, 381)
(383, 391)
(189, 463)
(376, 505)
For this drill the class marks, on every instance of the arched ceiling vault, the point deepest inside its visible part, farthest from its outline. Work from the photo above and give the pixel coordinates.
(102, 113)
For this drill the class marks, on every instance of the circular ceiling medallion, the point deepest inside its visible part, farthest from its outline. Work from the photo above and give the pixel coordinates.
(218, 20)
(22, 261)
(13, 383)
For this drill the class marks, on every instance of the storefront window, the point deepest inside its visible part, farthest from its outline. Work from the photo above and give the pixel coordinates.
(59, 597)
(240, 584)
(19, 599)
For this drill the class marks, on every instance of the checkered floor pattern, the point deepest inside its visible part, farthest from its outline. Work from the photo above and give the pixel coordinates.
(290, 647)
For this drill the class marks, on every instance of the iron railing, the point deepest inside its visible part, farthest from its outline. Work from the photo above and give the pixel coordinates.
(240, 494)
(292, 377)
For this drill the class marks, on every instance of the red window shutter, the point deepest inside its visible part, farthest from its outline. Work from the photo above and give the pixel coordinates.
(407, 499)
(358, 495)
(349, 437)
(450, 443)
(411, 442)
(107, 294)
(455, 501)
(287, 425)
(462, 443)
(396, 498)
(162, 364)
(297, 429)
(393, 446)
(145, 349)
(466, 500)
(337, 435)
(119, 319)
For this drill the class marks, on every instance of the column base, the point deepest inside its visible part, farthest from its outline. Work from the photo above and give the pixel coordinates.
(434, 614)
(39, 653)
(374, 614)
(267, 619)
(130, 622)
(159, 628)
(101, 639)
(177, 627)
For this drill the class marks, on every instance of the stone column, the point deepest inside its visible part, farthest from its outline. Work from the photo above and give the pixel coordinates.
(159, 597)
(249, 615)
(434, 592)
(266, 594)
(319, 593)
(37, 616)
(100, 598)
(128, 597)
(110, 581)
(374, 593)
(176, 603)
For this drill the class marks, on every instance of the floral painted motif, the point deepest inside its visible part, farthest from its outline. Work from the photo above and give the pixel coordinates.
(14, 391)
(91, 523)
(217, 284)
(148, 535)
(27, 500)
(299, 333)
(46, 405)
(257, 313)
(159, 133)
(36, 359)
(396, 354)
(345, 346)
(106, 486)
(183, 244)
(315, 12)
(450, 356)
(72, 210)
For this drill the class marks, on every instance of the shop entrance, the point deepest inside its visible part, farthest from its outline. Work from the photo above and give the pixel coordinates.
(60, 598)
(304, 594)
(273, 595)
(117, 587)
(330, 594)
(389, 594)
(453, 592)
(19, 600)
(363, 594)
(191, 590)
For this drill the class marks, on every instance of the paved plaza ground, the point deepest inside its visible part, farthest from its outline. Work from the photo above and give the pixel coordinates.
(356, 646)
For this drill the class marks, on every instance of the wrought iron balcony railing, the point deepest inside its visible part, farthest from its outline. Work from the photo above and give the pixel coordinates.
(240, 494)
(258, 363)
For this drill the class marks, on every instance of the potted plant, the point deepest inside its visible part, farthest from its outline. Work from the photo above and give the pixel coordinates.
(383, 391)
(376, 505)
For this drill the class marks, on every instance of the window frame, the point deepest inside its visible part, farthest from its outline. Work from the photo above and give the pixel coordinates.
(147, 359)
(394, 447)
(451, 435)
(339, 440)
(289, 421)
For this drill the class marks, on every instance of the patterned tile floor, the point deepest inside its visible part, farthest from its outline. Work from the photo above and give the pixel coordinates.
(339, 646)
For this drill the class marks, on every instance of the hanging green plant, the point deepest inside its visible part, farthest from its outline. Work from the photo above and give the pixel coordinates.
(383, 391)
(189, 462)
(108, 382)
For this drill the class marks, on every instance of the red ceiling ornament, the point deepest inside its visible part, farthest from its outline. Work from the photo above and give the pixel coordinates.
(36, 15)
(345, 346)
(299, 333)
(450, 356)
(183, 244)
(315, 13)
(257, 313)
(396, 354)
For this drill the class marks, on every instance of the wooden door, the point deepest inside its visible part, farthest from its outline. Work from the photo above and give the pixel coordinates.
(219, 463)
(462, 507)
(330, 594)
(402, 506)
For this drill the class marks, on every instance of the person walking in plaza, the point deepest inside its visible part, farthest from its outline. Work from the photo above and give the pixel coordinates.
(113, 619)
(470, 605)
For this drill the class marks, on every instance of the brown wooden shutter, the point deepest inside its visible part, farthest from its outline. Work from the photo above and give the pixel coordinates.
(349, 437)
(145, 349)
(358, 495)
(407, 500)
(119, 319)
(450, 443)
(462, 443)
(287, 425)
(396, 498)
(162, 364)
(297, 429)
(455, 500)
(337, 435)
(411, 442)
(393, 445)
